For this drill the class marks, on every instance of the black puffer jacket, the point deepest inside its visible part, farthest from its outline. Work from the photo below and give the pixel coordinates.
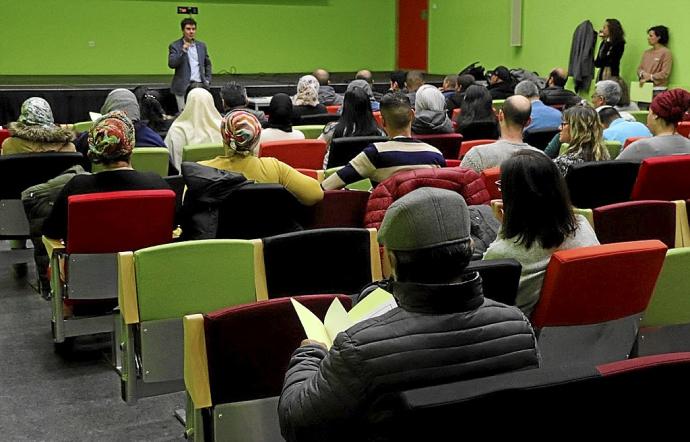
(439, 334)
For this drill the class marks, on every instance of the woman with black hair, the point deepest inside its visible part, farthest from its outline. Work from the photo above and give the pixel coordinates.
(154, 116)
(657, 61)
(477, 119)
(279, 125)
(538, 220)
(611, 49)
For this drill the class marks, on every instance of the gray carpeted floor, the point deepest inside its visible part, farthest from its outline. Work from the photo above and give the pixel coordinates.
(47, 397)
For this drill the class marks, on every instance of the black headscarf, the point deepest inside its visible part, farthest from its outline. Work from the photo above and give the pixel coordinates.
(280, 113)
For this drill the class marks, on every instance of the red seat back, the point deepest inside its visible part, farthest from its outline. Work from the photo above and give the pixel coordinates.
(338, 208)
(249, 346)
(333, 109)
(630, 140)
(663, 178)
(456, 112)
(303, 154)
(467, 145)
(4, 133)
(490, 176)
(591, 285)
(111, 222)
(452, 163)
(448, 144)
(310, 173)
(636, 220)
(378, 118)
(683, 128)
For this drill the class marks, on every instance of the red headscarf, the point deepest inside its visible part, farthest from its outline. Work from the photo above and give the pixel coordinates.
(671, 105)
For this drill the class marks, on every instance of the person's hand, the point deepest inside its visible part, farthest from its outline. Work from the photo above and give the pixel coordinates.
(185, 46)
(313, 342)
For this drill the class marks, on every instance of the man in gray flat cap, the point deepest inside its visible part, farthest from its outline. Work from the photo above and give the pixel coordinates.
(443, 329)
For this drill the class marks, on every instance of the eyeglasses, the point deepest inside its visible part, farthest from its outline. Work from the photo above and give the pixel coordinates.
(564, 123)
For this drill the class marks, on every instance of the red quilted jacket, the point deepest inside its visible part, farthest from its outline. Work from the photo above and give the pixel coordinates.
(466, 182)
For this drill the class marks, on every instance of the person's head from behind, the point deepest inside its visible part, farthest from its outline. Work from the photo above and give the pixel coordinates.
(396, 112)
(233, 95)
(36, 111)
(363, 85)
(450, 83)
(241, 132)
(188, 27)
(322, 76)
(365, 75)
(357, 115)
(426, 234)
(398, 80)
(606, 93)
(516, 112)
(198, 100)
(307, 91)
(657, 35)
(122, 100)
(558, 77)
(536, 204)
(429, 98)
(280, 112)
(582, 130)
(477, 103)
(414, 80)
(528, 89)
(111, 140)
(613, 31)
(667, 110)
(463, 82)
(608, 115)
(152, 111)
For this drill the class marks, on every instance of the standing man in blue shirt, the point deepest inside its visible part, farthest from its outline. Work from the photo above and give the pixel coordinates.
(189, 57)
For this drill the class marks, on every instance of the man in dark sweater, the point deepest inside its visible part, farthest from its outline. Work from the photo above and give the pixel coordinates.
(555, 93)
(110, 140)
(444, 330)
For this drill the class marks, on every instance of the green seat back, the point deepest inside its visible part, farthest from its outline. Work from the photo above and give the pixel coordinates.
(310, 131)
(670, 302)
(563, 149)
(498, 104)
(151, 159)
(202, 152)
(364, 185)
(614, 148)
(640, 116)
(82, 126)
(178, 279)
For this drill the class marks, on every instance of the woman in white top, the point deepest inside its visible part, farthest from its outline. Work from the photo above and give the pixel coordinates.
(279, 126)
(538, 220)
(198, 123)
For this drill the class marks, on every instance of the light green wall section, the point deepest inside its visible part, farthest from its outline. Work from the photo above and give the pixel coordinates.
(245, 36)
(464, 31)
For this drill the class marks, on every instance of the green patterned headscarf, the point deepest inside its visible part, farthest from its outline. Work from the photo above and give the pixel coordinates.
(36, 112)
(111, 137)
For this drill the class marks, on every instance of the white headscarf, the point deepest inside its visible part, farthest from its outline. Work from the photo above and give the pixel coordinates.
(430, 98)
(307, 92)
(198, 123)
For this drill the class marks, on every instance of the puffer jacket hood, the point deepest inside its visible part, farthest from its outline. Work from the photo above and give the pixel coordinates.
(41, 134)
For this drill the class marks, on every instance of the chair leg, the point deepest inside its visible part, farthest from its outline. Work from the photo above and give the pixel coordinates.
(129, 369)
(57, 302)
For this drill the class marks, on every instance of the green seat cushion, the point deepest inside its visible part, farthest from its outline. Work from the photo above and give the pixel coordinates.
(151, 159)
(310, 131)
(670, 303)
(202, 152)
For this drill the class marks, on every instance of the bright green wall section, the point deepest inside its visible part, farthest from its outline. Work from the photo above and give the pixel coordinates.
(245, 36)
(464, 31)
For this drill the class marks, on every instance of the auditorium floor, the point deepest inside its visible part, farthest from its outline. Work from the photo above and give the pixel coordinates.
(46, 397)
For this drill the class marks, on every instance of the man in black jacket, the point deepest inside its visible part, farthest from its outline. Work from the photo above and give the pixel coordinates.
(501, 83)
(444, 329)
(555, 93)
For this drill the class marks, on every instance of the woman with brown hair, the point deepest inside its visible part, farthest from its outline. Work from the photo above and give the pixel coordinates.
(582, 130)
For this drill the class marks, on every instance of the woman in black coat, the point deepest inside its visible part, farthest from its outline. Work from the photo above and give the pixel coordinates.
(611, 49)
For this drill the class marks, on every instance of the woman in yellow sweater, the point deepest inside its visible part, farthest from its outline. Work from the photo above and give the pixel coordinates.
(241, 132)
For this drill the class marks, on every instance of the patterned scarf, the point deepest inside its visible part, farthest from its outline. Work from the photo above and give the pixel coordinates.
(307, 91)
(111, 137)
(241, 131)
(36, 111)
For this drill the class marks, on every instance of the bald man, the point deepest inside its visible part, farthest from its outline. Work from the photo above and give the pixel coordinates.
(513, 118)
(327, 95)
(369, 78)
(555, 93)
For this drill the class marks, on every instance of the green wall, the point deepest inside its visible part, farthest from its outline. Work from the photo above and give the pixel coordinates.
(463, 31)
(244, 36)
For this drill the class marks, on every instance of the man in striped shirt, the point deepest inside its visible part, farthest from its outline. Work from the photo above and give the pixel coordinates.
(379, 161)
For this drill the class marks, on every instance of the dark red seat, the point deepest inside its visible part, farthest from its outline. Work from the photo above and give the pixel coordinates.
(303, 154)
(448, 144)
(339, 208)
(663, 178)
(636, 220)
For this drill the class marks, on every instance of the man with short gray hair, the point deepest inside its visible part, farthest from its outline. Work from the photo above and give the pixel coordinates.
(608, 93)
(543, 116)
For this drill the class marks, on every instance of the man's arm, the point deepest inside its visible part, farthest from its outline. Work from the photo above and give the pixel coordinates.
(360, 167)
(55, 226)
(175, 56)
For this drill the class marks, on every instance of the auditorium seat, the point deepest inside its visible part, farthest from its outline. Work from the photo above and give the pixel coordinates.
(338, 208)
(467, 145)
(592, 301)
(683, 128)
(82, 126)
(151, 159)
(631, 140)
(500, 278)
(599, 183)
(306, 120)
(333, 109)
(157, 286)
(202, 152)
(4, 134)
(637, 220)
(235, 361)
(361, 185)
(317, 174)
(540, 138)
(448, 144)
(614, 148)
(379, 118)
(663, 178)
(311, 132)
(640, 116)
(492, 177)
(305, 154)
(343, 149)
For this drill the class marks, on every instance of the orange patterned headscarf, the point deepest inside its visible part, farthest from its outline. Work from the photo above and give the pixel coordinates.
(241, 132)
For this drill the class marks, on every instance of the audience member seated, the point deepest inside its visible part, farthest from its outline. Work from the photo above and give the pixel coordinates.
(241, 132)
(366, 87)
(542, 116)
(582, 130)
(538, 220)
(357, 120)
(430, 112)
(450, 84)
(413, 81)
(397, 81)
(513, 117)
(198, 123)
(477, 119)
(366, 75)
(153, 115)
(555, 93)
(111, 140)
(665, 112)
(443, 329)
(279, 125)
(455, 100)
(327, 95)
(501, 83)
(624, 103)
(234, 97)
(618, 129)
(306, 101)
(607, 93)
(36, 131)
(379, 161)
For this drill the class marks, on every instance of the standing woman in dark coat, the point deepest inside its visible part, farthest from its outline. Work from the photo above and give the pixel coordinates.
(611, 49)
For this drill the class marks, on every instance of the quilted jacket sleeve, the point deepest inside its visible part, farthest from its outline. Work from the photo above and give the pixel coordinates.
(321, 391)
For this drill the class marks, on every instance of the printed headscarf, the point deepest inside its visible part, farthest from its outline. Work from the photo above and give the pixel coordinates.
(307, 91)
(671, 105)
(280, 113)
(111, 137)
(241, 132)
(428, 97)
(122, 100)
(36, 111)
